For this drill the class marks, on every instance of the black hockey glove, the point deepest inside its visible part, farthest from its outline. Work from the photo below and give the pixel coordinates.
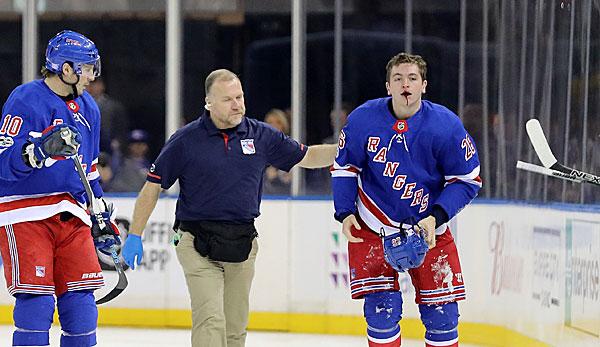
(107, 236)
(57, 142)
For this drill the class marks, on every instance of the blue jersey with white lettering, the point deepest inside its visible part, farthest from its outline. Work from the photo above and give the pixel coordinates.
(33, 194)
(389, 170)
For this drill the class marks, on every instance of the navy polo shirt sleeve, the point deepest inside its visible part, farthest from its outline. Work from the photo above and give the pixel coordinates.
(169, 164)
(283, 151)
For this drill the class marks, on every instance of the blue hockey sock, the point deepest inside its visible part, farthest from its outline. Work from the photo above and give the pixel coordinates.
(441, 322)
(33, 317)
(383, 311)
(78, 317)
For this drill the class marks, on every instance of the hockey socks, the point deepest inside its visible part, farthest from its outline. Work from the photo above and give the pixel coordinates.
(441, 324)
(33, 317)
(78, 316)
(385, 338)
(383, 311)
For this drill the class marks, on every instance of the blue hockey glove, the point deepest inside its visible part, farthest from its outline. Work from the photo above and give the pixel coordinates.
(133, 248)
(108, 236)
(57, 142)
(405, 249)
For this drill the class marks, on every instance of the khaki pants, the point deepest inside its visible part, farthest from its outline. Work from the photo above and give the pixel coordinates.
(219, 293)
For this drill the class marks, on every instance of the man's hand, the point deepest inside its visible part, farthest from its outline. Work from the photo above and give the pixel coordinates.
(57, 142)
(133, 249)
(428, 225)
(347, 228)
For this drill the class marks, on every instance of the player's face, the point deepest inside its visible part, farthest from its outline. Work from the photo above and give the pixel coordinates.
(87, 76)
(225, 101)
(406, 84)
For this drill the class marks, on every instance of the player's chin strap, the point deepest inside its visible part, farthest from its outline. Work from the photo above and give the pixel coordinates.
(73, 85)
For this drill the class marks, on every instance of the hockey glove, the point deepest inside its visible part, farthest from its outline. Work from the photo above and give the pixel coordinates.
(108, 236)
(57, 142)
(133, 248)
(405, 249)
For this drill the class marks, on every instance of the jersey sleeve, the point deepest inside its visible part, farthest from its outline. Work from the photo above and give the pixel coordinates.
(283, 151)
(459, 163)
(348, 164)
(18, 119)
(170, 163)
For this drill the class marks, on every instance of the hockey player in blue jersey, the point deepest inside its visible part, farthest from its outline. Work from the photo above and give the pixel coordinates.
(45, 238)
(405, 166)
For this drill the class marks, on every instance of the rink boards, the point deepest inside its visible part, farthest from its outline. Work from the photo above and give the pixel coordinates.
(532, 275)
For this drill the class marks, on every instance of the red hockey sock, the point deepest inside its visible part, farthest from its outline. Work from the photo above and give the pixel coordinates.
(395, 341)
(453, 343)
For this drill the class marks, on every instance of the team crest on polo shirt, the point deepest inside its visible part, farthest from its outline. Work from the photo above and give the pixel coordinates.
(248, 146)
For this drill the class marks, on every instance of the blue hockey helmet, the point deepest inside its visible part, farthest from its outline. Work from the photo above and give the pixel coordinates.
(405, 249)
(74, 48)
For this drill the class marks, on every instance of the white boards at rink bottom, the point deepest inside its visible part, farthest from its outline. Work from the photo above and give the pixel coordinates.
(532, 274)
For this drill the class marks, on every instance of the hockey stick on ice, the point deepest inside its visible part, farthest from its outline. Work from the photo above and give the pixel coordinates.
(96, 211)
(554, 168)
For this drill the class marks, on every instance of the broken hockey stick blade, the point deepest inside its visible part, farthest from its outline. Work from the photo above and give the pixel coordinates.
(543, 151)
(95, 210)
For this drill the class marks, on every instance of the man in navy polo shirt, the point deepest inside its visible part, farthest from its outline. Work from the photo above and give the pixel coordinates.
(219, 160)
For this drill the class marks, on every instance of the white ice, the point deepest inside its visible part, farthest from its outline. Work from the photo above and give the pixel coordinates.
(129, 337)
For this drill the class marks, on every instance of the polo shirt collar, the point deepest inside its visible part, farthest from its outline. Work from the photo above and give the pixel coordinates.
(212, 128)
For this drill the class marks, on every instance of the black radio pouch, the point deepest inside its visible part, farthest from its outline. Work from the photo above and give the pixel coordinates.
(222, 241)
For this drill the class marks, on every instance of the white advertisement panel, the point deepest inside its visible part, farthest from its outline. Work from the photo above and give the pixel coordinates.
(531, 269)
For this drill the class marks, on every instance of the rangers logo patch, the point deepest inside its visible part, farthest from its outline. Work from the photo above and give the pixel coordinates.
(40, 271)
(248, 146)
(6, 141)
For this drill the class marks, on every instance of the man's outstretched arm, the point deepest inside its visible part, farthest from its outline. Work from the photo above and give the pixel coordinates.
(318, 156)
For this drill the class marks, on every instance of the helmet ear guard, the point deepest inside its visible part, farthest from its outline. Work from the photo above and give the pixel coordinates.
(405, 249)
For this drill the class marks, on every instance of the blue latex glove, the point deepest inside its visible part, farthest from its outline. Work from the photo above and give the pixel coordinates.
(133, 248)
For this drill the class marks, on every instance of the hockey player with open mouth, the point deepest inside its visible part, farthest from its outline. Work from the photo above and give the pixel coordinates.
(404, 168)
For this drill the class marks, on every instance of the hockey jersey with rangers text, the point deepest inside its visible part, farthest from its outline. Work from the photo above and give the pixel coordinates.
(28, 194)
(389, 170)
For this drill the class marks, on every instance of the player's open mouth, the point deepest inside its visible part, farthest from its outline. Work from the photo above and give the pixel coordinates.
(406, 93)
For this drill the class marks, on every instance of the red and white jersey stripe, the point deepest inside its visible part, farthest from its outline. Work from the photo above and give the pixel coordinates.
(376, 219)
(23, 208)
(471, 178)
(344, 171)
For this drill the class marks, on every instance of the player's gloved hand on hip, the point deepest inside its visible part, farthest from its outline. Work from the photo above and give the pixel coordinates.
(133, 249)
(57, 142)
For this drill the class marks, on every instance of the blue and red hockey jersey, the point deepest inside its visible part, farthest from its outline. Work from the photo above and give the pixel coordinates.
(28, 194)
(389, 170)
